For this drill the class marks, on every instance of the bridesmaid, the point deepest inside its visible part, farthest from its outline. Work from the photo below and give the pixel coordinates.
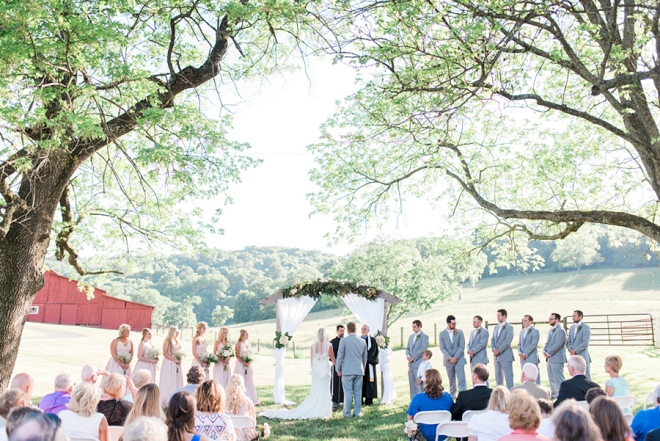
(222, 370)
(143, 354)
(120, 345)
(199, 346)
(245, 369)
(171, 372)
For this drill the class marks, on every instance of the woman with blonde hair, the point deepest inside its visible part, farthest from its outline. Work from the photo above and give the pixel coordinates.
(112, 404)
(222, 369)
(144, 354)
(122, 346)
(238, 403)
(494, 423)
(616, 386)
(524, 418)
(171, 373)
(243, 368)
(210, 419)
(82, 421)
(147, 403)
(433, 398)
(199, 346)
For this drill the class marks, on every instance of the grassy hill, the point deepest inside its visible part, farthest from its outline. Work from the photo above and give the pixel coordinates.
(47, 349)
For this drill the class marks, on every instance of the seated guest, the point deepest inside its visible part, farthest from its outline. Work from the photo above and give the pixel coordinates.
(547, 427)
(524, 418)
(649, 419)
(194, 377)
(433, 398)
(90, 373)
(572, 423)
(18, 416)
(147, 403)
(37, 426)
(57, 401)
(112, 404)
(210, 419)
(653, 435)
(528, 377)
(594, 393)
(610, 420)
(577, 386)
(494, 423)
(181, 418)
(82, 421)
(24, 382)
(11, 399)
(145, 428)
(141, 377)
(238, 403)
(616, 386)
(476, 398)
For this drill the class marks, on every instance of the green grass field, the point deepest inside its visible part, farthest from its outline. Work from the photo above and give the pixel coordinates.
(48, 349)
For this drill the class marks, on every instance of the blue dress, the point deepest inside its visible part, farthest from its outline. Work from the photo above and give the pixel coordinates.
(621, 388)
(645, 421)
(422, 403)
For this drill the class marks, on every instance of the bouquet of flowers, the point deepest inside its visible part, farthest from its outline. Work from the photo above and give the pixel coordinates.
(208, 358)
(281, 340)
(412, 430)
(226, 353)
(263, 432)
(247, 358)
(179, 356)
(125, 358)
(382, 341)
(154, 354)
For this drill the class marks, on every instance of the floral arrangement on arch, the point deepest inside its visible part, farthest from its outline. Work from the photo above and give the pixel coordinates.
(329, 287)
(382, 341)
(281, 340)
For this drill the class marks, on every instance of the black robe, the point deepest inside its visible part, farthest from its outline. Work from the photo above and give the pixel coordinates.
(337, 388)
(369, 384)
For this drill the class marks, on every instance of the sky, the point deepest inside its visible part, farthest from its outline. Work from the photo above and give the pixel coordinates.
(279, 118)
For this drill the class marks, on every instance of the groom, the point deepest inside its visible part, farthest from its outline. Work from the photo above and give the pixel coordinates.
(351, 358)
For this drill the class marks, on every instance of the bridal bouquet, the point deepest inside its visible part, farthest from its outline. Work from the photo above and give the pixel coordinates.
(226, 353)
(208, 358)
(382, 341)
(412, 430)
(247, 358)
(125, 358)
(281, 340)
(263, 432)
(154, 354)
(179, 356)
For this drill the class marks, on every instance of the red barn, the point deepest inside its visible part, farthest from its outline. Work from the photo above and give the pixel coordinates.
(60, 302)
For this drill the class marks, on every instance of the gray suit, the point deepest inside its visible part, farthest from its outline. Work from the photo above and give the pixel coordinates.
(534, 390)
(454, 349)
(351, 359)
(578, 340)
(554, 347)
(501, 340)
(478, 344)
(414, 349)
(528, 342)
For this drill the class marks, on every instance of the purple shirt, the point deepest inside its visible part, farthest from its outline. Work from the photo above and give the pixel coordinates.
(55, 402)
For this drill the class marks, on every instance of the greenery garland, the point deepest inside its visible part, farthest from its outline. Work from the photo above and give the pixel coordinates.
(329, 287)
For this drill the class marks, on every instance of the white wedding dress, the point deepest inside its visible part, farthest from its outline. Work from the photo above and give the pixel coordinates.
(318, 403)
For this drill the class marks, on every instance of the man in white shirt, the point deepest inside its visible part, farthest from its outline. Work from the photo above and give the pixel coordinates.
(423, 367)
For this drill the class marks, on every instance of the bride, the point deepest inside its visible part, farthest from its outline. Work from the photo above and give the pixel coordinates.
(319, 402)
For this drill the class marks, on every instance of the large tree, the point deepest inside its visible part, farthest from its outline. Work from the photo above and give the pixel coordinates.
(103, 127)
(542, 115)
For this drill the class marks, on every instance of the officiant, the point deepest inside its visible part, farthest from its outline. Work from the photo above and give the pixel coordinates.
(370, 379)
(337, 388)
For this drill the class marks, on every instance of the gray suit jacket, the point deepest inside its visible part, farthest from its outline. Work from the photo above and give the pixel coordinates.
(455, 349)
(503, 343)
(478, 344)
(415, 347)
(529, 345)
(352, 355)
(580, 343)
(554, 345)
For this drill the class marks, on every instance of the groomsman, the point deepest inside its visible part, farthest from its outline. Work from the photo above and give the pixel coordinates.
(370, 380)
(418, 342)
(555, 354)
(478, 343)
(578, 339)
(502, 352)
(337, 388)
(528, 342)
(452, 346)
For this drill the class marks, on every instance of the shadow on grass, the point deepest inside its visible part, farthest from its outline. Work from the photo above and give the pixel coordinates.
(642, 281)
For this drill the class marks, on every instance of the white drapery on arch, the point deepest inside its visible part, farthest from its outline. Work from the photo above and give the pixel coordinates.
(290, 312)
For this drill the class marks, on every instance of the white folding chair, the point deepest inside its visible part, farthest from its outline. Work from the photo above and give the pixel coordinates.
(648, 402)
(432, 417)
(116, 432)
(626, 404)
(583, 404)
(629, 417)
(468, 414)
(242, 421)
(455, 429)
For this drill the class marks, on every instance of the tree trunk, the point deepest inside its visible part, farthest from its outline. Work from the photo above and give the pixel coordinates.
(22, 254)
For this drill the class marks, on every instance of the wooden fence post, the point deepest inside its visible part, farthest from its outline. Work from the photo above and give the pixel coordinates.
(435, 334)
(258, 345)
(294, 349)
(401, 337)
